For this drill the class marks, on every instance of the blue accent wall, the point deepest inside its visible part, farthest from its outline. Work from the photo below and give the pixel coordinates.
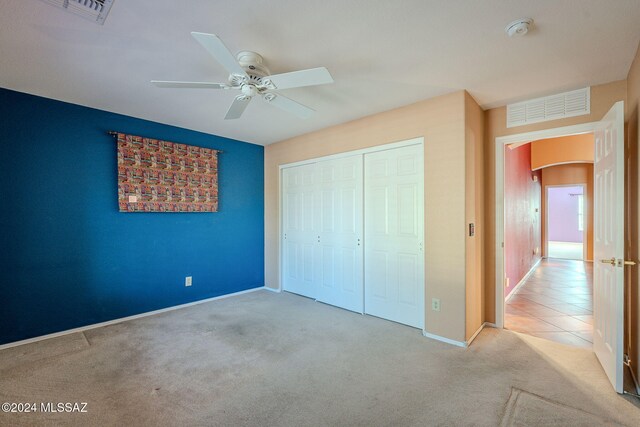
(70, 259)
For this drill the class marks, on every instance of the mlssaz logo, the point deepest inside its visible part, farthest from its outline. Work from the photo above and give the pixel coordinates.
(63, 407)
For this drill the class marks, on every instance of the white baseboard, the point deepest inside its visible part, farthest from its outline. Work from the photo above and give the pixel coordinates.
(125, 319)
(266, 288)
(463, 344)
(445, 340)
(523, 280)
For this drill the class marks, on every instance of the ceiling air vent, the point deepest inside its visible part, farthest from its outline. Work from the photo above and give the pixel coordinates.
(94, 10)
(553, 107)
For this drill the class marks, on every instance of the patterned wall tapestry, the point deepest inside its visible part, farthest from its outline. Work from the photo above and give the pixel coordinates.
(161, 176)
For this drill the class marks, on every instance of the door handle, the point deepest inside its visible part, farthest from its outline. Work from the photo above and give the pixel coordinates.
(620, 263)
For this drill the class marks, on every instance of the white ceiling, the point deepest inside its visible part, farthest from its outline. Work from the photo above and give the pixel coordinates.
(382, 55)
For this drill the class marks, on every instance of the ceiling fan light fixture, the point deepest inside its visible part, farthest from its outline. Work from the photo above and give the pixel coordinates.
(519, 27)
(249, 91)
(249, 75)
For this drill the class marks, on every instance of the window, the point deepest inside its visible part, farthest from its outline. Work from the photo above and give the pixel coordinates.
(580, 212)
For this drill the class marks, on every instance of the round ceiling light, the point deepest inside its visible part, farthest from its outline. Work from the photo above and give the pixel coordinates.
(519, 27)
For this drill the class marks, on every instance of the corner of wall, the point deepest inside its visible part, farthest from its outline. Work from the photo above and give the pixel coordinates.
(474, 214)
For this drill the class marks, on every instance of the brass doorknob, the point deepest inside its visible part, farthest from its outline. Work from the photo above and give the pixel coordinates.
(613, 262)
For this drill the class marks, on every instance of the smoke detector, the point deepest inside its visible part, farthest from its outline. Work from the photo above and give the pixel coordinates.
(519, 27)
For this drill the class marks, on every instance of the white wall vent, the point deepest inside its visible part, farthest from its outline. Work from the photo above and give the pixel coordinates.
(94, 10)
(553, 107)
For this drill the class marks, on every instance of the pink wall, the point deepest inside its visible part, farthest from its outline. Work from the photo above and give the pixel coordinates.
(522, 198)
(563, 214)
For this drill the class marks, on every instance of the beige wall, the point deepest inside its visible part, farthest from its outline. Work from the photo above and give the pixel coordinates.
(441, 122)
(566, 149)
(459, 189)
(602, 98)
(565, 175)
(474, 211)
(633, 208)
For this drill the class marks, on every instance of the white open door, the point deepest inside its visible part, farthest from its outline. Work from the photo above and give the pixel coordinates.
(608, 278)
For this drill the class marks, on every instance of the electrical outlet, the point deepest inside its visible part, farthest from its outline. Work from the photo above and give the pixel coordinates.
(187, 281)
(506, 282)
(435, 304)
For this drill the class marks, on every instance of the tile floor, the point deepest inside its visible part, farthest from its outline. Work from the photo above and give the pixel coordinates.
(555, 303)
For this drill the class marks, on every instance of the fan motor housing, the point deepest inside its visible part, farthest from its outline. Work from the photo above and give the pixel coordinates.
(253, 63)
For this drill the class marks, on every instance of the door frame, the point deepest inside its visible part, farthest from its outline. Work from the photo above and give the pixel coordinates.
(500, 143)
(361, 152)
(585, 220)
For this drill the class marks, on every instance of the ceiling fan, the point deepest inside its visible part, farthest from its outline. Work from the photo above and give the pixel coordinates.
(249, 75)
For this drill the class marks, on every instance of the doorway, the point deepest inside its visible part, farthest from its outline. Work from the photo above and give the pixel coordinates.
(566, 221)
(501, 198)
(608, 248)
(548, 292)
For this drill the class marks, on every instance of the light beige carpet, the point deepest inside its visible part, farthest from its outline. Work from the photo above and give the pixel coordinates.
(266, 359)
(527, 409)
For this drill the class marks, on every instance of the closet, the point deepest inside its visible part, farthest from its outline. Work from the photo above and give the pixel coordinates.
(352, 231)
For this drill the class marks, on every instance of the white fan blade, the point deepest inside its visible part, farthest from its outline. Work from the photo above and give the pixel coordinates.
(289, 105)
(193, 85)
(215, 47)
(237, 107)
(311, 77)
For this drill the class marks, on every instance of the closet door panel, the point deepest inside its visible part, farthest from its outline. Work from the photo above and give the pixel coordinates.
(340, 233)
(393, 224)
(298, 225)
